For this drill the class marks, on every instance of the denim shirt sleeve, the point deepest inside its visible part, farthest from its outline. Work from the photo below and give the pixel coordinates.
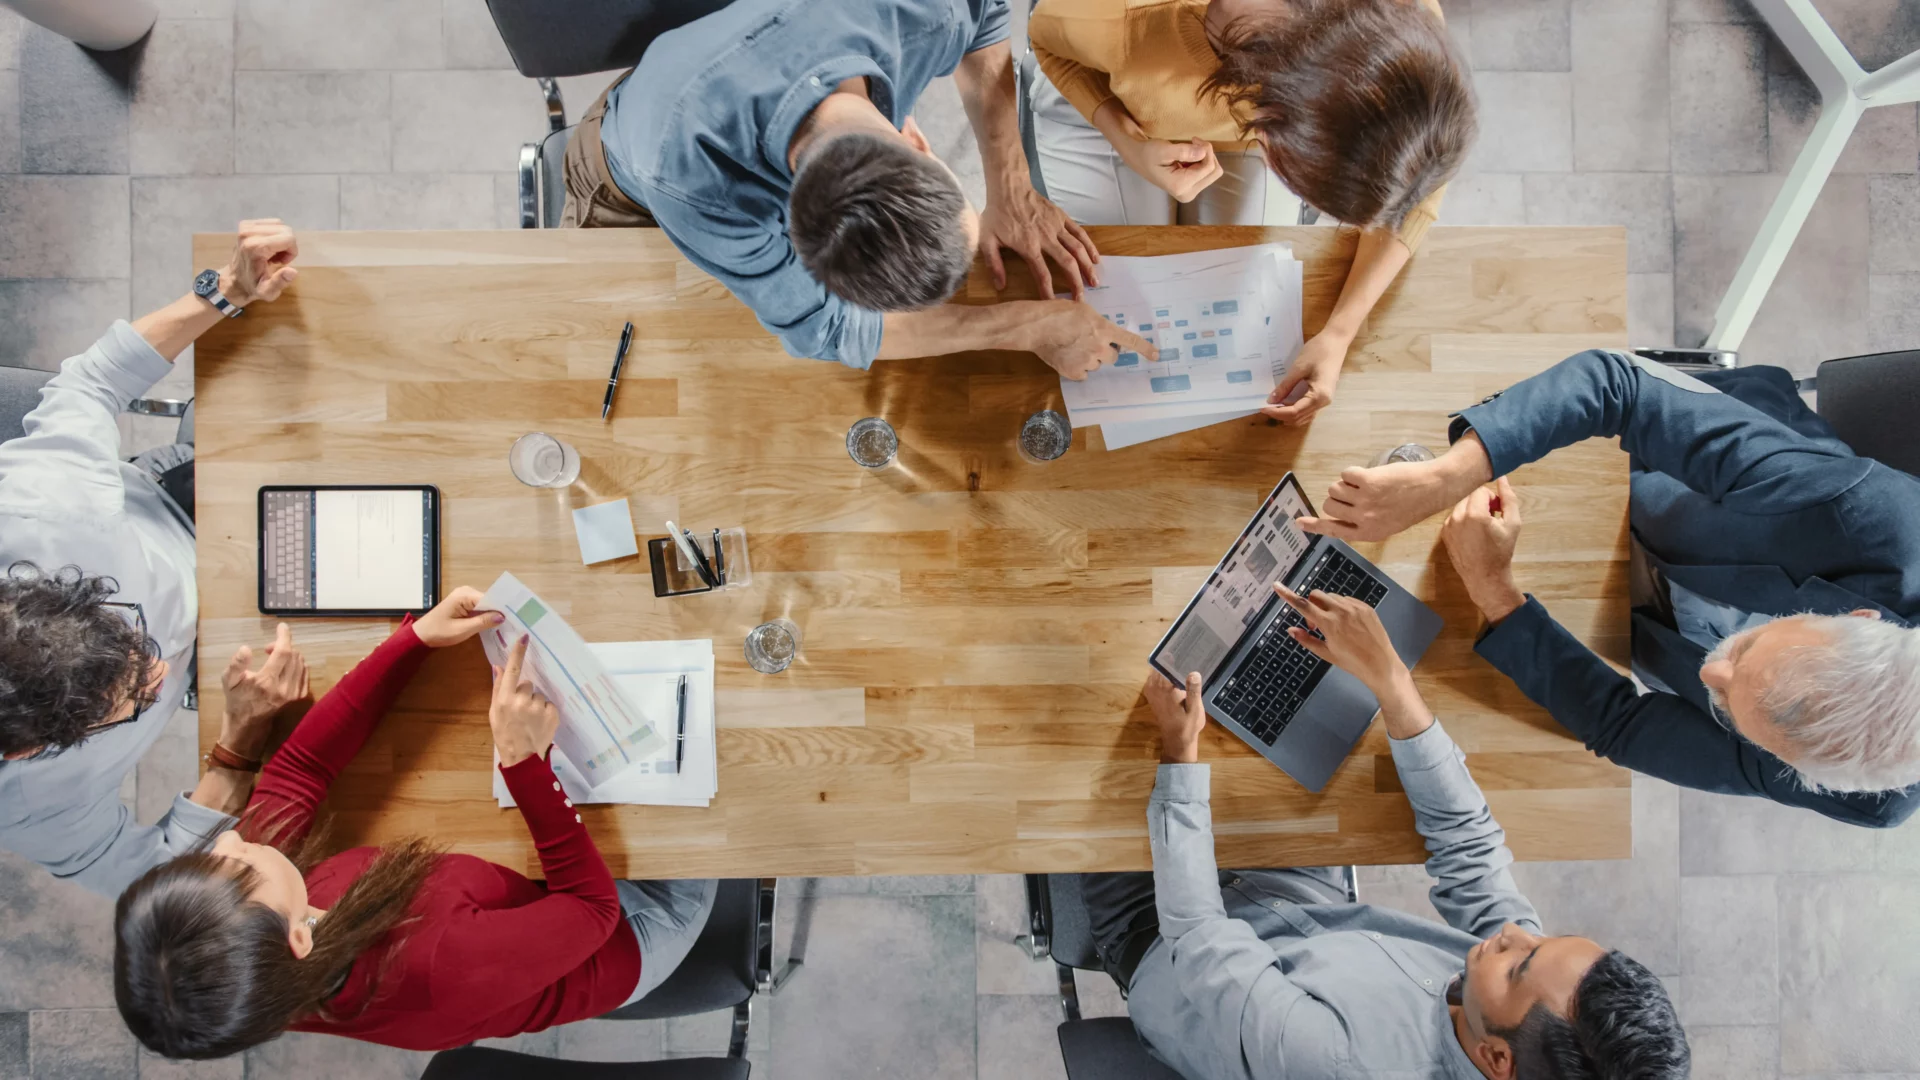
(757, 263)
(996, 25)
(1466, 849)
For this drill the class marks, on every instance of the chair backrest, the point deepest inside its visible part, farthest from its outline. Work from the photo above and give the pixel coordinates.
(1872, 402)
(1069, 929)
(487, 1063)
(1108, 1049)
(19, 395)
(719, 970)
(553, 38)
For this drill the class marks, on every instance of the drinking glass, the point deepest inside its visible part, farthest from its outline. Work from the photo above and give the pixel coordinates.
(872, 443)
(771, 646)
(1404, 452)
(540, 460)
(1045, 437)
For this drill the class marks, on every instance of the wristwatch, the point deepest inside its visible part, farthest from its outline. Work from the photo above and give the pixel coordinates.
(207, 287)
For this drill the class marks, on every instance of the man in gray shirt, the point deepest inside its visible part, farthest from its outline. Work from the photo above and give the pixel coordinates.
(98, 606)
(1272, 973)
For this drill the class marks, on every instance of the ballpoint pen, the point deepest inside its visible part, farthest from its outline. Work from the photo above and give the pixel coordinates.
(680, 739)
(691, 553)
(719, 559)
(706, 568)
(613, 380)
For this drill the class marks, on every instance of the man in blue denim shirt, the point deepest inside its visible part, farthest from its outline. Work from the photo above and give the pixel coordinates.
(1268, 974)
(773, 141)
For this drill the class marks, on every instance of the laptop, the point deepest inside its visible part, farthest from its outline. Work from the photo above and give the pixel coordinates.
(1298, 711)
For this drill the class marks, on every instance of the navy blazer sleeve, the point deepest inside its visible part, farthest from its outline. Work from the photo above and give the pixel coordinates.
(1659, 734)
(1671, 423)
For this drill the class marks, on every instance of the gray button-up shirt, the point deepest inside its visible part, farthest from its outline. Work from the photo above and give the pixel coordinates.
(1245, 985)
(698, 135)
(66, 498)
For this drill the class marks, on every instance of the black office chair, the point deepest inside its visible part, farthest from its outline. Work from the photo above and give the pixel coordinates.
(486, 1063)
(550, 39)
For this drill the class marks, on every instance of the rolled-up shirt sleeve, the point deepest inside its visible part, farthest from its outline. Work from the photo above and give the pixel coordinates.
(759, 266)
(996, 25)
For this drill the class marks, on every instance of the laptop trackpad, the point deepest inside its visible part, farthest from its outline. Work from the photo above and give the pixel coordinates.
(1330, 722)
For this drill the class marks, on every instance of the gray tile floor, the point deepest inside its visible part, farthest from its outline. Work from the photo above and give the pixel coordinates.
(1792, 944)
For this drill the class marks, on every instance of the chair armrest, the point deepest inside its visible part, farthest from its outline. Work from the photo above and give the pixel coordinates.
(1690, 358)
(556, 108)
(530, 185)
(172, 407)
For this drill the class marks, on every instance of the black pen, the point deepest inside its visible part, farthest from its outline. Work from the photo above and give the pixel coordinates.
(719, 559)
(680, 740)
(700, 562)
(613, 380)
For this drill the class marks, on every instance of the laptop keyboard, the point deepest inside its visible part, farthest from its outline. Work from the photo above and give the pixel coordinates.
(1274, 679)
(287, 557)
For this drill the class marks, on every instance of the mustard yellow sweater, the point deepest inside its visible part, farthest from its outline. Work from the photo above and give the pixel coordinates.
(1153, 55)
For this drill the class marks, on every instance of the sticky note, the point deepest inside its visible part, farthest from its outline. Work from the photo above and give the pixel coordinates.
(605, 532)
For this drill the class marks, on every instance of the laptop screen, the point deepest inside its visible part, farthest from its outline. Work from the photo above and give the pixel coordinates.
(1268, 551)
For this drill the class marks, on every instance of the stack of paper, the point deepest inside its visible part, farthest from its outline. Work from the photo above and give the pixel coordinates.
(1227, 323)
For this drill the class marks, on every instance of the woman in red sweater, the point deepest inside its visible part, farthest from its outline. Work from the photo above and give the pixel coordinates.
(224, 949)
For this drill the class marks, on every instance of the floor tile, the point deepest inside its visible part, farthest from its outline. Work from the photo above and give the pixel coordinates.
(1714, 11)
(1099, 995)
(1643, 202)
(1520, 35)
(1526, 122)
(9, 121)
(1402, 888)
(196, 9)
(613, 1040)
(1000, 916)
(14, 1063)
(155, 1067)
(1718, 114)
(886, 990)
(1734, 1053)
(1017, 1039)
(73, 106)
(940, 114)
(1727, 834)
(1884, 141)
(712, 1032)
(1729, 952)
(167, 211)
(1893, 312)
(1893, 216)
(12, 27)
(1876, 32)
(471, 39)
(1484, 199)
(173, 764)
(463, 121)
(1848, 969)
(79, 226)
(1817, 307)
(299, 35)
(312, 122)
(44, 322)
(1459, 19)
(330, 1057)
(180, 120)
(1620, 85)
(81, 1044)
(418, 201)
(1650, 309)
(538, 1043)
(922, 885)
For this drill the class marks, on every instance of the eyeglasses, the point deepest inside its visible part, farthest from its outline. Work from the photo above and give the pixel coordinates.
(143, 697)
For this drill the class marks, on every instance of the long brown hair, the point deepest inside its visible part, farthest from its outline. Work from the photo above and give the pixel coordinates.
(201, 971)
(1363, 106)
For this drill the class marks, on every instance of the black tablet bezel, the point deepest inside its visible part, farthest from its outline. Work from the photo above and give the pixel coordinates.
(260, 546)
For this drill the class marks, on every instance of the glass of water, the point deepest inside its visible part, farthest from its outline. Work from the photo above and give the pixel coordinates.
(540, 460)
(872, 443)
(1405, 452)
(771, 646)
(1045, 437)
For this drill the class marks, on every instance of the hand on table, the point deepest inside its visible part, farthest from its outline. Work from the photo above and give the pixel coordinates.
(1376, 503)
(1308, 386)
(254, 698)
(1181, 715)
(523, 720)
(1021, 220)
(1074, 339)
(262, 263)
(1353, 640)
(1480, 540)
(454, 619)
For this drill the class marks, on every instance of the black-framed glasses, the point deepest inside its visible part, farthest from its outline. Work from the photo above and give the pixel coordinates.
(143, 697)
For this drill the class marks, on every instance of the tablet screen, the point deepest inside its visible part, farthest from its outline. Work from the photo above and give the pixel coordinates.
(347, 549)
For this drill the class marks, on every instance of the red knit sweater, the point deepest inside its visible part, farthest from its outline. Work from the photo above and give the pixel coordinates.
(490, 952)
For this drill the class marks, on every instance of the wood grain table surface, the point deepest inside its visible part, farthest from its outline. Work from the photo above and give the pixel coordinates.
(975, 628)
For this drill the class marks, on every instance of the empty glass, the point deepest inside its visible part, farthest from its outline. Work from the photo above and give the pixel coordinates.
(872, 443)
(771, 646)
(540, 460)
(1045, 437)
(1404, 452)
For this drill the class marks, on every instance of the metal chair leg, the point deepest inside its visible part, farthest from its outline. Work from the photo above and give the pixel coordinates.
(737, 1041)
(530, 194)
(1038, 941)
(766, 980)
(1069, 991)
(556, 108)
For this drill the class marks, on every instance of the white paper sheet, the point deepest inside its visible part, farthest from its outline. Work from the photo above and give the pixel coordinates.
(1123, 433)
(602, 731)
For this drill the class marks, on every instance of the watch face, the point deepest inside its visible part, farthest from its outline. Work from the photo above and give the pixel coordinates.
(206, 284)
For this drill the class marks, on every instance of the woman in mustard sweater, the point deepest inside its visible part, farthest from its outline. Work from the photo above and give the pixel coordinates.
(1235, 112)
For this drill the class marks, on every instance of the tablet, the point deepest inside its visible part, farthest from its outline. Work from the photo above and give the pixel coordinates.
(339, 550)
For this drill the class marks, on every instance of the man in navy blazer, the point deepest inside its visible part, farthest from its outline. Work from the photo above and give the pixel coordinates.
(1782, 581)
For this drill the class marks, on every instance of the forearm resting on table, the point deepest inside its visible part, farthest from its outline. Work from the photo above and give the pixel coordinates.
(1402, 710)
(955, 328)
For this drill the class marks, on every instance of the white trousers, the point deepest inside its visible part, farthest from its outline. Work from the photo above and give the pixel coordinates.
(1088, 180)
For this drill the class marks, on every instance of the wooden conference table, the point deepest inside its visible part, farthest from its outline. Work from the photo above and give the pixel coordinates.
(975, 628)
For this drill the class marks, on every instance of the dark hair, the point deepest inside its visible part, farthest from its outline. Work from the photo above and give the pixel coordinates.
(878, 223)
(1364, 106)
(66, 662)
(200, 971)
(1623, 1028)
